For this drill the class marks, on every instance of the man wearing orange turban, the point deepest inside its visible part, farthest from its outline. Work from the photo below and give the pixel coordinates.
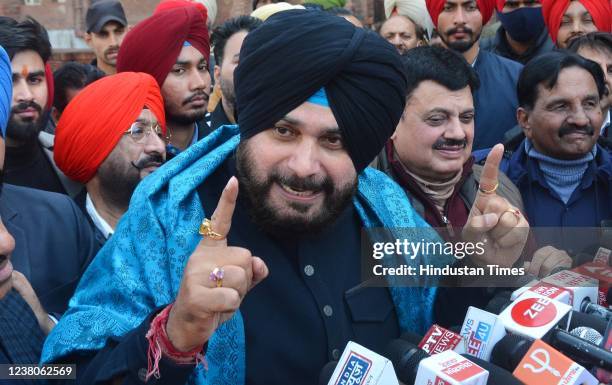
(109, 137)
(569, 19)
(459, 24)
(173, 46)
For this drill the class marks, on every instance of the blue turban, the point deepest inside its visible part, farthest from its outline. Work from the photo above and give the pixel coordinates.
(294, 54)
(6, 90)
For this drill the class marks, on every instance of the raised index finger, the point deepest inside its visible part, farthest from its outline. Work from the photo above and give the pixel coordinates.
(221, 220)
(490, 171)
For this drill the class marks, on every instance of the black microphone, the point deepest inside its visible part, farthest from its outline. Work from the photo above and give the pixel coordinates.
(581, 350)
(405, 358)
(511, 349)
(500, 375)
(327, 372)
(582, 319)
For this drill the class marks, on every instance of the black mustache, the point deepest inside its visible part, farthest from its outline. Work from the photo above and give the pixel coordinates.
(113, 49)
(570, 129)
(150, 160)
(462, 29)
(301, 184)
(198, 94)
(441, 143)
(25, 105)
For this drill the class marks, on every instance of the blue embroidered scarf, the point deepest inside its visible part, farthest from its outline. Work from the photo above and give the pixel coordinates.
(140, 267)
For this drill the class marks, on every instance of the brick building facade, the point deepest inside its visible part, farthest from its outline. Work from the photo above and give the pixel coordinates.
(65, 19)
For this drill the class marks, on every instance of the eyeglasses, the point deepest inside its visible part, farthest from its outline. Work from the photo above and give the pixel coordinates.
(140, 131)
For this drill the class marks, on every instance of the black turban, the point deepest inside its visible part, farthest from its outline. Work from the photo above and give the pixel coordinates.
(295, 53)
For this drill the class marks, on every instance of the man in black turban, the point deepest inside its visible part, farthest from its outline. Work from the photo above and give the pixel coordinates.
(269, 290)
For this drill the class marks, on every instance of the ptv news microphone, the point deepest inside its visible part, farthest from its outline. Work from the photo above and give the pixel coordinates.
(543, 365)
(438, 340)
(360, 366)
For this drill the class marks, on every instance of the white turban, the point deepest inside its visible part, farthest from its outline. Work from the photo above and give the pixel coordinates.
(211, 8)
(415, 10)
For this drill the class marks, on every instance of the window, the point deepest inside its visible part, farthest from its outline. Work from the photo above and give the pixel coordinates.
(33, 2)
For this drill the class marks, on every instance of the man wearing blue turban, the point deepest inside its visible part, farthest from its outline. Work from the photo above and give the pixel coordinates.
(267, 290)
(31, 222)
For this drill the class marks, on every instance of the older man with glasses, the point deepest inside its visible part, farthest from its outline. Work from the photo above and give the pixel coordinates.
(112, 135)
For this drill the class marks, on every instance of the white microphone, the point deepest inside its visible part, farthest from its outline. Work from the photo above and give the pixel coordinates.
(481, 331)
(450, 368)
(359, 366)
(533, 315)
(565, 286)
(600, 272)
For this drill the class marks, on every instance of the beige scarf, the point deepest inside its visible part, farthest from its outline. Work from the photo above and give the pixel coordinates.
(438, 192)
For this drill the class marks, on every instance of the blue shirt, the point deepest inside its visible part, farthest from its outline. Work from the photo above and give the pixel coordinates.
(174, 151)
(495, 101)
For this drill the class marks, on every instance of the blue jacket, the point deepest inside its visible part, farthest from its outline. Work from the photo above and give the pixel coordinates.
(590, 203)
(495, 101)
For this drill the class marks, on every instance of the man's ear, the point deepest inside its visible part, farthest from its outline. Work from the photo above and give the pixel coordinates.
(88, 38)
(522, 116)
(217, 73)
(55, 114)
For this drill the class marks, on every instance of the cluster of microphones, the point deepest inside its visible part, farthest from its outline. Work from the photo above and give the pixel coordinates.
(551, 331)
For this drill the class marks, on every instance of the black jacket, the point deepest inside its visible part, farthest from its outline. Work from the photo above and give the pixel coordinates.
(498, 44)
(53, 242)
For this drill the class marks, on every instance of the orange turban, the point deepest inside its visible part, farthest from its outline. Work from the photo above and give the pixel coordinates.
(95, 120)
(485, 7)
(553, 11)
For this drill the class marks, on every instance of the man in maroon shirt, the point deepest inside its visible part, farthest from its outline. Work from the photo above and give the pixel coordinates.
(429, 155)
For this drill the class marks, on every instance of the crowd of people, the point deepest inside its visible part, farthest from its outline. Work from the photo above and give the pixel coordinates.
(190, 207)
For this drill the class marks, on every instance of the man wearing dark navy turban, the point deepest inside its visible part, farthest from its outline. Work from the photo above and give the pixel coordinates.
(268, 290)
(173, 47)
(460, 24)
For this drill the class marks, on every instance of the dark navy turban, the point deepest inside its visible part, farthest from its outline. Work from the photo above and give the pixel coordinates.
(296, 53)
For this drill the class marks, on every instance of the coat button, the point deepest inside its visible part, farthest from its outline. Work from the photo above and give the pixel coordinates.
(328, 311)
(336, 354)
(309, 270)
